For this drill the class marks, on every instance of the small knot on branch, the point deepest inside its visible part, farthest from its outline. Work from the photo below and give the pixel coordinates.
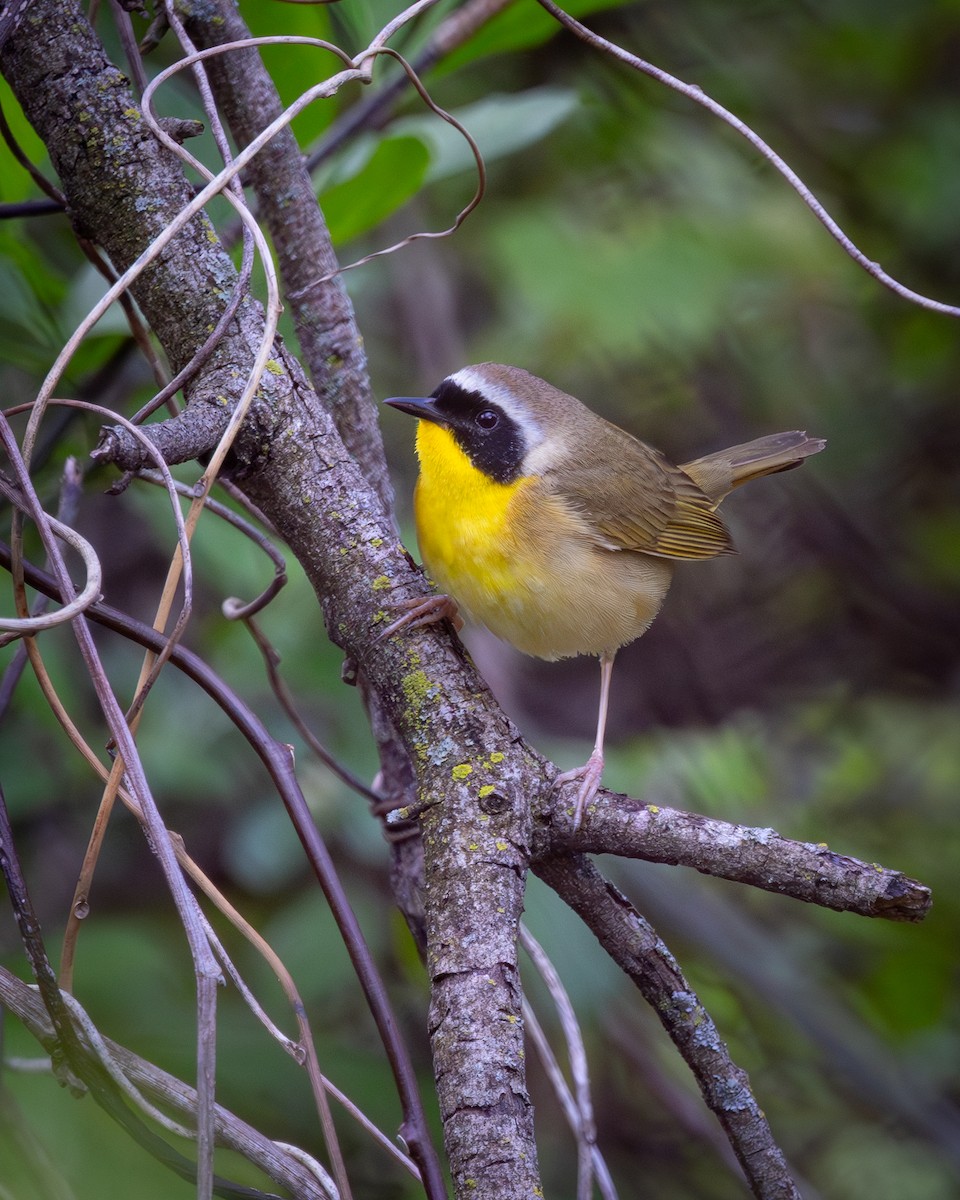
(180, 128)
(108, 445)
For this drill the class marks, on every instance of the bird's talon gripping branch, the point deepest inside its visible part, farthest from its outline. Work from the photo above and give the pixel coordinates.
(424, 610)
(589, 775)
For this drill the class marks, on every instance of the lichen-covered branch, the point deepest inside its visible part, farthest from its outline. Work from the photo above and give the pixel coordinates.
(634, 945)
(759, 857)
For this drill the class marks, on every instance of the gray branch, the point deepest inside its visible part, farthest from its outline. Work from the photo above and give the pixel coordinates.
(759, 857)
(634, 946)
(165, 1089)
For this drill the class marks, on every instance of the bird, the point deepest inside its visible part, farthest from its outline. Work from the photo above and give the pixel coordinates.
(556, 529)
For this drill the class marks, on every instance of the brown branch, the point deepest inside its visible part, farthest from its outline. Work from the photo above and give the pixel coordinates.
(635, 947)
(814, 873)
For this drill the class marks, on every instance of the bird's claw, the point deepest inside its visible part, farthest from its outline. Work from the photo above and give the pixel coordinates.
(589, 775)
(424, 610)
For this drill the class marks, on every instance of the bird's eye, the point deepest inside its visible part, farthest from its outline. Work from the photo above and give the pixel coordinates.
(488, 419)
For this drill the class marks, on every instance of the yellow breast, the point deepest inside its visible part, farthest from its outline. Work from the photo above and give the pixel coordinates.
(463, 525)
(521, 562)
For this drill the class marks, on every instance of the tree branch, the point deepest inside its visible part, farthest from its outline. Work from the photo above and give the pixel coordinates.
(231, 1132)
(326, 328)
(635, 947)
(616, 824)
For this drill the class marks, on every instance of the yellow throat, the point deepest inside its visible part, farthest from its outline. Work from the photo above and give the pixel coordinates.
(462, 524)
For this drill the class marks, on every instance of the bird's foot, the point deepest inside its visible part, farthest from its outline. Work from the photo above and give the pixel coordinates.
(424, 610)
(589, 775)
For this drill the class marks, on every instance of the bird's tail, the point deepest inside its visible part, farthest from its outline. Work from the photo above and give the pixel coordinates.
(718, 474)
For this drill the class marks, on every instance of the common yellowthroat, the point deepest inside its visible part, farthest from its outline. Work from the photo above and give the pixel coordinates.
(556, 529)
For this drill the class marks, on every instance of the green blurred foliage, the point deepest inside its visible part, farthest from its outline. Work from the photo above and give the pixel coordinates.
(384, 174)
(640, 255)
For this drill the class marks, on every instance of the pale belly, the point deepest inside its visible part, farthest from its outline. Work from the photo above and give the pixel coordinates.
(558, 596)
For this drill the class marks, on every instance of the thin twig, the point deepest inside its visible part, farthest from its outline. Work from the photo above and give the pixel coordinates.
(457, 28)
(233, 608)
(561, 1089)
(271, 661)
(698, 96)
(410, 13)
(128, 40)
(28, 924)
(450, 119)
(166, 1090)
(583, 1126)
(97, 1044)
(30, 208)
(67, 508)
(36, 622)
(38, 177)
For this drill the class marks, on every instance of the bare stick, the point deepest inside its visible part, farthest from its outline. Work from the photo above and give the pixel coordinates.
(561, 1089)
(279, 1164)
(583, 1125)
(698, 96)
(37, 622)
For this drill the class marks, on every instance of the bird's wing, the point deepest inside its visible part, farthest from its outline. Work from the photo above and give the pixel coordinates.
(631, 498)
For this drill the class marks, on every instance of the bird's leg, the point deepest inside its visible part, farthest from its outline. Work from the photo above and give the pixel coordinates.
(424, 610)
(592, 770)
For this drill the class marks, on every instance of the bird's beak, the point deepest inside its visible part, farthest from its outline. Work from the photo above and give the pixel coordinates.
(423, 407)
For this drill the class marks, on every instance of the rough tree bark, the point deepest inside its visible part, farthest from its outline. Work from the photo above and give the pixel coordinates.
(487, 813)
